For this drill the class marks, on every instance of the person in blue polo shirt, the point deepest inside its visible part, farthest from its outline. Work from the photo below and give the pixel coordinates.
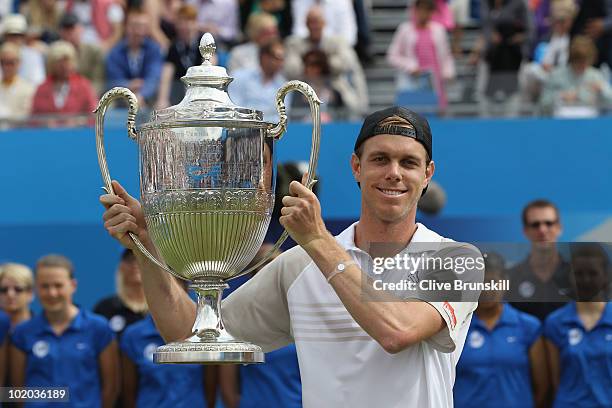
(579, 335)
(146, 384)
(64, 346)
(503, 363)
(5, 324)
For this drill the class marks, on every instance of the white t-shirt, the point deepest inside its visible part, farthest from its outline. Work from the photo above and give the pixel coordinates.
(340, 364)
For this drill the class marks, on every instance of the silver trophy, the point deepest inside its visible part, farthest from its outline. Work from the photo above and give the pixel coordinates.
(207, 178)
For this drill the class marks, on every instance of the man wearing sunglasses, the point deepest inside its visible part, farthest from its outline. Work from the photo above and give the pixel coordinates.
(539, 284)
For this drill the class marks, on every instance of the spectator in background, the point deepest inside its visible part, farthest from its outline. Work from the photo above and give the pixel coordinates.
(577, 86)
(341, 12)
(280, 9)
(261, 29)
(503, 46)
(344, 68)
(136, 61)
(578, 336)
(442, 14)
(335, 92)
(256, 87)
(16, 283)
(15, 93)
(555, 49)
(43, 16)
(503, 363)
(65, 346)
(154, 10)
(220, 18)
(183, 53)
(64, 92)
(273, 384)
(421, 46)
(594, 20)
(146, 384)
(128, 305)
(101, 19)
(540, 283)
(90, 57)
(32, 68)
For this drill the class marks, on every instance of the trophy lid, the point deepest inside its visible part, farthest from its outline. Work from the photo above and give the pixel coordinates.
(206, 101)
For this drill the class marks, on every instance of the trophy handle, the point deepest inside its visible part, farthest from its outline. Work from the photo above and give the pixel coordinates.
(100, 111)
(277, 132)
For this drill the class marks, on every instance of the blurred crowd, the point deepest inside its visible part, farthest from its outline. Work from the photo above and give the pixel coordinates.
(57, 57)
(554, 55)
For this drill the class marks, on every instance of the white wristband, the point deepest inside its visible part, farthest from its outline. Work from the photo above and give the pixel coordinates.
(341, 267)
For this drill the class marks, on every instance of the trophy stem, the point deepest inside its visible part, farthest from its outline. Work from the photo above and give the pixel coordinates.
(208, 324)
(209, 343)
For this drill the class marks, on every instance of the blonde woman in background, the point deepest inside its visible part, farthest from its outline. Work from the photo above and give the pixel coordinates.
(16, 282)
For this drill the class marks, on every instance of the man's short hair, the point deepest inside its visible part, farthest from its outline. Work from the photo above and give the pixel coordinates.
(55, 261)
(539, 203)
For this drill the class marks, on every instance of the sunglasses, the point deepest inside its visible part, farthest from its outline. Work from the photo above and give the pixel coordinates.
(18, 289)
(9, 61)
(536, 224)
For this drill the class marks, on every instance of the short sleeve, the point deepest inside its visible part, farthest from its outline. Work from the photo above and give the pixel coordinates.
(102, 333)
(5, 324)
(126, 343)
(258, 311)
(18, 336)
(532, 328)
(551, 330)
(461, 266)
(457, 316)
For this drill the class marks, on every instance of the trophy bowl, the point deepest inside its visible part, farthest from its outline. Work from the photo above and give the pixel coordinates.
(207, 181)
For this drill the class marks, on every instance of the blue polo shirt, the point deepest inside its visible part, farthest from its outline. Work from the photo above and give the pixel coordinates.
(5, 325)
(585, 358)
(69, 360)
(160, 385)
(276, 383)
(494, 368)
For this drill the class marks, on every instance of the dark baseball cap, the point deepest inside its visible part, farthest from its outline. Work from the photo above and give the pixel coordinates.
(421, 131)
(68, 20)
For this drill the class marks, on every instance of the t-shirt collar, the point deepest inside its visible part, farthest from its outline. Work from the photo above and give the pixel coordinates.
(422, 235)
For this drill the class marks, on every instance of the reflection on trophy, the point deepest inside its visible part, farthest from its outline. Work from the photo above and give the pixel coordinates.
(207, 179)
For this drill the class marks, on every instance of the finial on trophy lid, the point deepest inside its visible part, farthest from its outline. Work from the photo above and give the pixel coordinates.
(207, 48)
(207, 73)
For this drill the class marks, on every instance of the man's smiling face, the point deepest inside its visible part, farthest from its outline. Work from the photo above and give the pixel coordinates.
(392, 171)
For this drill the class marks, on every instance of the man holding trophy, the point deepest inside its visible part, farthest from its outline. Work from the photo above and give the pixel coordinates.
(356, 346)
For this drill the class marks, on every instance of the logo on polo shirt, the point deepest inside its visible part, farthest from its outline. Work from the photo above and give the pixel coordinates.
(574, 336)
(476, 339)
(40, 349)
(609, 337)
(149, 350)
(526, 289)
(117, 323)
(511, 339)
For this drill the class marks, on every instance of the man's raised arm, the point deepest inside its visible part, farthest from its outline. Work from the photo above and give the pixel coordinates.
(169, 304)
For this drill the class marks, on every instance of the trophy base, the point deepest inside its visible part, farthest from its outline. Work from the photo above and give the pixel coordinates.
(199, 351)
